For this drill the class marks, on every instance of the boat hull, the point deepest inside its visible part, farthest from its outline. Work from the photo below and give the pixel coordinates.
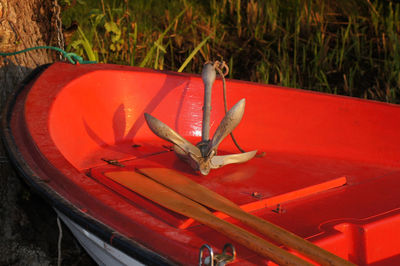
(101, 252)
(328, 167)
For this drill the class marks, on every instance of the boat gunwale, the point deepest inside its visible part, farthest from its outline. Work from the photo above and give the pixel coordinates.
(55, 200)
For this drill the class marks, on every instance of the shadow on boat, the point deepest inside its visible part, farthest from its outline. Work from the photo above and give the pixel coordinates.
(119, 121)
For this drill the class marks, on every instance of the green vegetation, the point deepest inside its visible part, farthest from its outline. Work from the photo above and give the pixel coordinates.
(344, 47)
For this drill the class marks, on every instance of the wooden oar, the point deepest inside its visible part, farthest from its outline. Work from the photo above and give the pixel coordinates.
(192, 190)
(176, 202)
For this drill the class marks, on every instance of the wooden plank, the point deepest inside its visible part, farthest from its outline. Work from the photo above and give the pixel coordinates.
(209, 198)
(174, 201)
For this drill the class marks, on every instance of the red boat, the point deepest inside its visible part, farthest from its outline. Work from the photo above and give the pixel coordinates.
(327, 169)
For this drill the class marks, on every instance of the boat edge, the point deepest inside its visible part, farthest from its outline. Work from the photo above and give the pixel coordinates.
(25, 172)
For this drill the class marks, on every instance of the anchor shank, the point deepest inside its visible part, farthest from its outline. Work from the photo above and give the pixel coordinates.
(208, 75)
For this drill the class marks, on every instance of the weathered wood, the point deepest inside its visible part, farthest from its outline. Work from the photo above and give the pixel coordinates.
(28, 228)
(174, 201)
(18, 30)
(192, 190)
(23, 24)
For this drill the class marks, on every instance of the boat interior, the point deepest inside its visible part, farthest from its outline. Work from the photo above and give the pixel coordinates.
(327, 167)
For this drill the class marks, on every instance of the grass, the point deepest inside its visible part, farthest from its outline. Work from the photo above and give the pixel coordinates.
(341, 47)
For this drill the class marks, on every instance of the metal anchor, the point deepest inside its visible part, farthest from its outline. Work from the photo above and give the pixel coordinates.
(203, 156)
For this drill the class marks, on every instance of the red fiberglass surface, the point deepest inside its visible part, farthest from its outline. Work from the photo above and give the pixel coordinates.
(329, 170)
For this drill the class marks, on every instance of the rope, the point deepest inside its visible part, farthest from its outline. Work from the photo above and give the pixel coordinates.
(71, 57)
(219, 66)
(60, 234)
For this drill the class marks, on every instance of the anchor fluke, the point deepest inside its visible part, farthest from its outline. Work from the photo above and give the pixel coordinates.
(219, 161)
(168, 134)
(230, 121)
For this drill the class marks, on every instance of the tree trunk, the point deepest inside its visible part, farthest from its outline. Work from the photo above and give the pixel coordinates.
(28, 227)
